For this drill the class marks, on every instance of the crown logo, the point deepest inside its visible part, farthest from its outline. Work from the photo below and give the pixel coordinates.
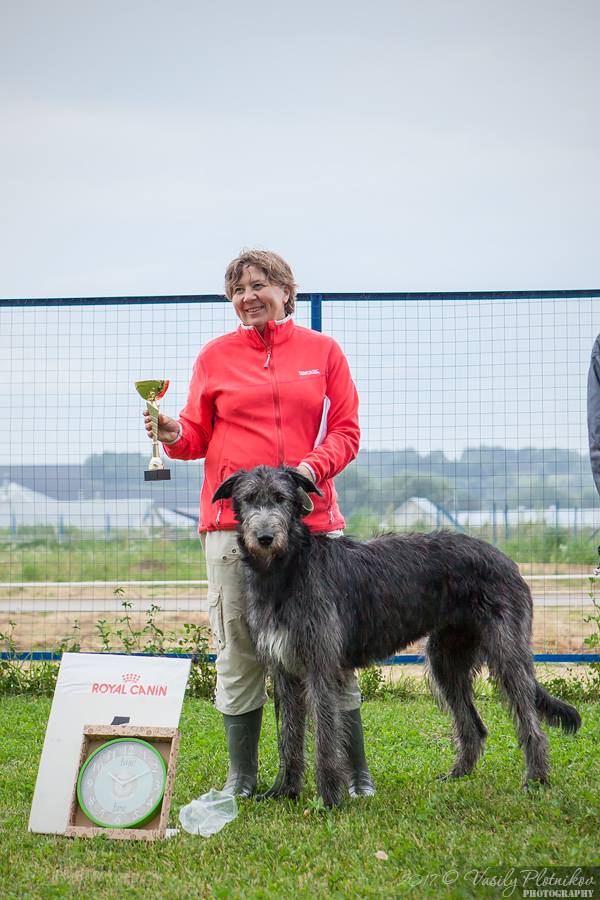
(130, 678)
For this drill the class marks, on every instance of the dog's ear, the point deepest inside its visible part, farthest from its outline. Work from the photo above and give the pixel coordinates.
(225, 490)
(304, 487)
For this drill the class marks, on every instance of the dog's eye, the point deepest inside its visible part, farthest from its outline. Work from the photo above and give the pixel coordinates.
(279, 498)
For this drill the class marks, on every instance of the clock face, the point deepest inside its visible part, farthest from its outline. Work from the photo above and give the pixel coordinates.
(122, 783)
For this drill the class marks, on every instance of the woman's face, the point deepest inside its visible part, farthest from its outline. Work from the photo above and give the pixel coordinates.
(257, 301)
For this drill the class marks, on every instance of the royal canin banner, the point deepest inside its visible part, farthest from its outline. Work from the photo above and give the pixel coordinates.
(97, 689)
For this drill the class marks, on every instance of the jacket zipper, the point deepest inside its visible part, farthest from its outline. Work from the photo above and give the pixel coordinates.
(269, 364)
(277, 401)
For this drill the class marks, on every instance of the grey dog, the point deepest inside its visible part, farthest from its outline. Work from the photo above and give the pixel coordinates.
(317, 608)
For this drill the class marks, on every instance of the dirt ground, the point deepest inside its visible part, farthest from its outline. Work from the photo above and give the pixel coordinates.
(44, 631)
(45, 614)
(557, 629)
(579, 671)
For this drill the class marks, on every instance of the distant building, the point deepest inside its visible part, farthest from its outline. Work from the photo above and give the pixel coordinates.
(82, 482)
(423, 512)
(20, 506)
(571, 517)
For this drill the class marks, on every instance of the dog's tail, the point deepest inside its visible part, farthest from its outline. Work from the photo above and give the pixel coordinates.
(556, 712)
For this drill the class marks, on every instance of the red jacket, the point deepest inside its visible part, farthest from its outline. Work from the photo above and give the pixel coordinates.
(286, 398)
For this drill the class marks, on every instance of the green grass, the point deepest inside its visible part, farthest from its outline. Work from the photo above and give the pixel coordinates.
(43, 558)
(274, 849)
(36, 554)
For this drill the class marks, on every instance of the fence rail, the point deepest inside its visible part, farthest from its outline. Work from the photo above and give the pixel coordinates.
(404, 659)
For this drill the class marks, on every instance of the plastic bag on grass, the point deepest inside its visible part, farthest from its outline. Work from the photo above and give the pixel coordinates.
(209, 813)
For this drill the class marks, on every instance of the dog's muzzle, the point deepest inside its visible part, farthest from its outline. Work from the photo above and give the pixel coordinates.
(265, 534)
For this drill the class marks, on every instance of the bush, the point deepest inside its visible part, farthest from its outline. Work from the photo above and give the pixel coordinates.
(370, 682)
(27, 676)
(575, 690)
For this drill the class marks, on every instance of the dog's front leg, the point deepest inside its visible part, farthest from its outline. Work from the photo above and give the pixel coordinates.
(330, 759)
(291, 700)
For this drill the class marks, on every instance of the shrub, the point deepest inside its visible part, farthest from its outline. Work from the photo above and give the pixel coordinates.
(27, 676)
(370, 682)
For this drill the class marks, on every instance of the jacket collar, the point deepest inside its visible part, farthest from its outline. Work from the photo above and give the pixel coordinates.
(276, 332)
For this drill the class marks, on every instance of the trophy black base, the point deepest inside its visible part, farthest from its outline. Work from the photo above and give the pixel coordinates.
(157, 475)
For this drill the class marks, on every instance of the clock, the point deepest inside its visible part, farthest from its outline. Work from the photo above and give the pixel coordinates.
(122, 783)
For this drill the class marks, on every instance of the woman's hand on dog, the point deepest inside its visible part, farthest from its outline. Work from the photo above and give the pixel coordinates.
(304, 470)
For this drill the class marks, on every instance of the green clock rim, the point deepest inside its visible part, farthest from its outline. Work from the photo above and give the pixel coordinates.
(121, 740)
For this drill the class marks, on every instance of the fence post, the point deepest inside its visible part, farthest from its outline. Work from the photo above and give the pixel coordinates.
(316, 310)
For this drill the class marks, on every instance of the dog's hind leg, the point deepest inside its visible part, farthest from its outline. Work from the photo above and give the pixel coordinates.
(452, 655)
(513, 670)
(290, 700)
(330, 756)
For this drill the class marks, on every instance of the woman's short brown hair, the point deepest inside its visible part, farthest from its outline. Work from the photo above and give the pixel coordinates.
(275, 268)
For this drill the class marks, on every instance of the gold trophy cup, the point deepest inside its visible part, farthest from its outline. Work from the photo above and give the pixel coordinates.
(151, 392)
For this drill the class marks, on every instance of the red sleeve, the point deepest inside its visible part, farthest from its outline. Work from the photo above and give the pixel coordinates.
(196, 418)
(342, 439)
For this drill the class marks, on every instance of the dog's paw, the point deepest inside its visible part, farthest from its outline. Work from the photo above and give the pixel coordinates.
(458, 771)
(531, 785)
(281, 791)
(332, 794)
(280, 794)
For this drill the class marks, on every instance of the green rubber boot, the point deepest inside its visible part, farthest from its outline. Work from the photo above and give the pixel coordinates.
(360, 783)
(242, 734)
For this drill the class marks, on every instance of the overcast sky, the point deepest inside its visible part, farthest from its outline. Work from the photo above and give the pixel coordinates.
(378, 146)
(388, 146)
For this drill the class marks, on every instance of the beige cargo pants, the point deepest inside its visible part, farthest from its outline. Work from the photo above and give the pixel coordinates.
(240, 676)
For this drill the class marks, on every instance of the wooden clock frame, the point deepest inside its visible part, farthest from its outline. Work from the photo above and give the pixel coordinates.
(166, 741)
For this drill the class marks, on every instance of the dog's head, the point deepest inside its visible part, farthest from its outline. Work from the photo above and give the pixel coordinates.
(267, 503)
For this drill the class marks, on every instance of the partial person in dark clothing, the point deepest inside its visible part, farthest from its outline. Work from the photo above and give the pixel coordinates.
(593, 419)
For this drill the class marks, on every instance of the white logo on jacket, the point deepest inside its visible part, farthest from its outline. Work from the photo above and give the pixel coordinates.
(309, 372)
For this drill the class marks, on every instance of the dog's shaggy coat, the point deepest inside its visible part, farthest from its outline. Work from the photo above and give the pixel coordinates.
(318, 607)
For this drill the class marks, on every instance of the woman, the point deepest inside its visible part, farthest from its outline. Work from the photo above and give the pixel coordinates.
(271, 393)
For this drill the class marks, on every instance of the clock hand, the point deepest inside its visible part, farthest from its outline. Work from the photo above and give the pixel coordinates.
(118, 780)
(135, 777)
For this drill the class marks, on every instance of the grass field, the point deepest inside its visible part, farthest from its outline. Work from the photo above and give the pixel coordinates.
(39, 555)
(428, 830)
(126, 556)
